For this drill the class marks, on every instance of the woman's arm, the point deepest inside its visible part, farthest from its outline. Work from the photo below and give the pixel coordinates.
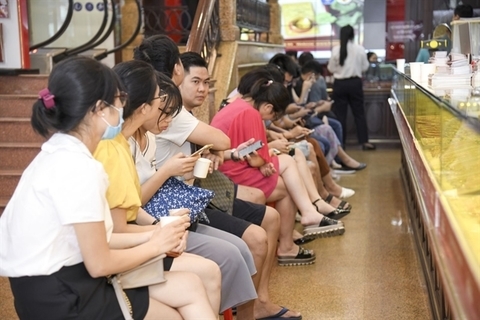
(205, 134)
(178, 165)
(128, 240)
(100, 260)
(120, 225)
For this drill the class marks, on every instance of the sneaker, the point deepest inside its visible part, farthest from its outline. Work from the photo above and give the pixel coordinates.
(335, 176)
(343, 172)
(326, 228)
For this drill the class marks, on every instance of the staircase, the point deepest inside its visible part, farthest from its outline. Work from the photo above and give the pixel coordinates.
(19, 144)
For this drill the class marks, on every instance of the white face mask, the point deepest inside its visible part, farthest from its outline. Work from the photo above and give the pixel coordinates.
(112, 131)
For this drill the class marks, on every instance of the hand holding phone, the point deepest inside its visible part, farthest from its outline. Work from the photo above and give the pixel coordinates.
(199, 151)
(249, 149)
(305, 134)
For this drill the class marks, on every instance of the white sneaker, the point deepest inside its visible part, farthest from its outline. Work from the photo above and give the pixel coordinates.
(334, 175)
(344, 172)
(346, 193)
(335, 165)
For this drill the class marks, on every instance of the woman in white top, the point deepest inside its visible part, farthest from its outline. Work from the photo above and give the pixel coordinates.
(56, 240)
(347, 63)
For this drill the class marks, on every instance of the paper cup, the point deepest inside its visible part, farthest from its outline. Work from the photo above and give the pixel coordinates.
(166, 220)
(401, 65)
(416, 71)
(427, 69)
(201, 168)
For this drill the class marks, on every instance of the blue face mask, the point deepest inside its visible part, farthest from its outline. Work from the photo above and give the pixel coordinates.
(111, 131)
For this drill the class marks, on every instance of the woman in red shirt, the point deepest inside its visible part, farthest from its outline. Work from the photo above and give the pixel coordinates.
(277, 176)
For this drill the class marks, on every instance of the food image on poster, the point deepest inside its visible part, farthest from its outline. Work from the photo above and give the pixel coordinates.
(315, 24)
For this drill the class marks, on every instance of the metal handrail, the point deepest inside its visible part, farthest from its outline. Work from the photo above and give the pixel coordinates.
(109, 30)
(86, 45)
(200, 25)
(131, 39)
(60, 31)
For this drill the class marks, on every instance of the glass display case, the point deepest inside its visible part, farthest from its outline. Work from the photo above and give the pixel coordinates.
(440, 135)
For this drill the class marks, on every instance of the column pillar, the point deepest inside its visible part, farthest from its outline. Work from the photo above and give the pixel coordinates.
(128, 25)
(275, 35)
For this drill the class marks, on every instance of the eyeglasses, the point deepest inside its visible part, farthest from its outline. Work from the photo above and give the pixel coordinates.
(112, 106)
(172, 111)
(162, 97)
(123, 96)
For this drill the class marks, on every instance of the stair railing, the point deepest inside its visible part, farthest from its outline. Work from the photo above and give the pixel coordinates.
(86, 46)
(205, 33)
(132, 37)
(60, 31)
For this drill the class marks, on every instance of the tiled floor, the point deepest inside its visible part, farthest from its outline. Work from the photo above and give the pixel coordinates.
(371, 272)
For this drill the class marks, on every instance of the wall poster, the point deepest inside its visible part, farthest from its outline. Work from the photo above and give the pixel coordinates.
(3, 8)
(311, 25)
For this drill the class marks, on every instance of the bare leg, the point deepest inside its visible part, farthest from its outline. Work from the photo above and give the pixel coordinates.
(263, 306)
(325, 185)
(285, 206)
(346, 159)
(256, 239)
(158, 310)
(307, 178)
(183, 291)
(250, 194)
(207, 270)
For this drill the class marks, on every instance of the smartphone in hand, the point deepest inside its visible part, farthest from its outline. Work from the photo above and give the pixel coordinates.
(204, 148)
(251, 148)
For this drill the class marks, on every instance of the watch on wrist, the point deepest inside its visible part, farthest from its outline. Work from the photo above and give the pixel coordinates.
(232, 155)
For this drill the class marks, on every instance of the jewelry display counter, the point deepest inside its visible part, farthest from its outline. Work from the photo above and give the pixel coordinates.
(440, 139)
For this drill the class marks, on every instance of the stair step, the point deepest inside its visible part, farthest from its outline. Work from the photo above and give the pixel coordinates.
(18, 130)
(17, 155)
(16, 105)
(8, 182)
(23, 84)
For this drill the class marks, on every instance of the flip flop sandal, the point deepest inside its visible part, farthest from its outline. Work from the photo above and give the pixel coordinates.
(304, 257)
(278, 316)
(343, 207)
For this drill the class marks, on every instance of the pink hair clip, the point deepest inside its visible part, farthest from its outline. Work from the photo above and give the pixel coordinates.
(47, 98)
(269, 82)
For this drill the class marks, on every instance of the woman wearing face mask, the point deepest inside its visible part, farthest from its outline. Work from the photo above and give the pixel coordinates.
(56, 240)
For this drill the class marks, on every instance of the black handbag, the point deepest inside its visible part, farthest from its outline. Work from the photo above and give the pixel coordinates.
(223, 187)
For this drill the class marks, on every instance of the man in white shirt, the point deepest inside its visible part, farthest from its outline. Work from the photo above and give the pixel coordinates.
(194, 89)
(247, 217)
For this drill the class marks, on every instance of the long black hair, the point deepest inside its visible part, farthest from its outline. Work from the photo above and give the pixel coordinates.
(346, 34)
(75, 86)
(160, 51)
(140, 82)
(265, 90)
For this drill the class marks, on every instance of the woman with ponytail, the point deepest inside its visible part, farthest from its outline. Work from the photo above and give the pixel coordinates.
(277, 176)
(347, 63)
(57, 244)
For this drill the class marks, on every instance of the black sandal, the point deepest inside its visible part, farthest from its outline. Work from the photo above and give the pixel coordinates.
(343, 207)
(303, 257)
(335, 214)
